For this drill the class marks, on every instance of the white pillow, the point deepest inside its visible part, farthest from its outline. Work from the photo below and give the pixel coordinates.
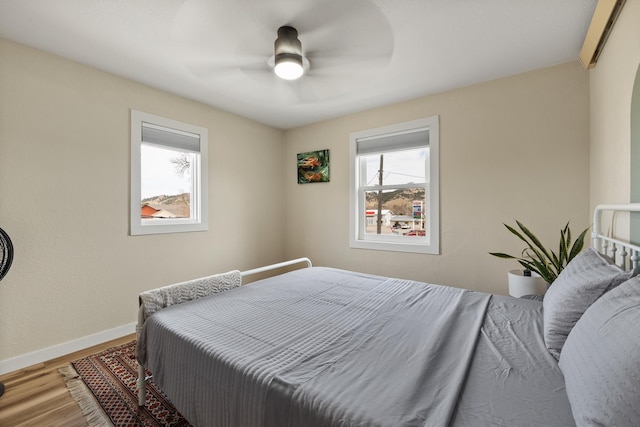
(601, 360)
(587, 277)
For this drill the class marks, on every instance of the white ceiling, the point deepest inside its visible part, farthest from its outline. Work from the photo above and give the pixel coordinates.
(362, 53)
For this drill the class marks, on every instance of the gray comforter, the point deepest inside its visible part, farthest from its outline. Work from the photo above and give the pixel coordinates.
(326, 347)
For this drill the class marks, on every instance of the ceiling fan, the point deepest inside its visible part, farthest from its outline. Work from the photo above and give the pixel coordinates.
(333, 43)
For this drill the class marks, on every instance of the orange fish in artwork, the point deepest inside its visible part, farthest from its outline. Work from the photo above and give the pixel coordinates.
(310, 176)
(310, 162)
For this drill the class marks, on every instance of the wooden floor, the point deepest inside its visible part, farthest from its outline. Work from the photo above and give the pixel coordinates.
(37, 395)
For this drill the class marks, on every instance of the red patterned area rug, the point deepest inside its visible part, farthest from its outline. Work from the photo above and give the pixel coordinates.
(104, 385)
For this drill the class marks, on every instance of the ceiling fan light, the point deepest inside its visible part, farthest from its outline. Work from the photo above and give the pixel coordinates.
(288, 66)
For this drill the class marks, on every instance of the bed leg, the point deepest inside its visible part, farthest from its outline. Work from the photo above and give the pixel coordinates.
(142, 381)
(142, 386)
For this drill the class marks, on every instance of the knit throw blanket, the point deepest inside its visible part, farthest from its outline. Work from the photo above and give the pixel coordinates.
(167, 296)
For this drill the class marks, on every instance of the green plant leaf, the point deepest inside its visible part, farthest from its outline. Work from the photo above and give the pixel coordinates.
(533, 238)
(501, 255)
(517, 233)
(577, 245)
(556, 260)
(562, 251)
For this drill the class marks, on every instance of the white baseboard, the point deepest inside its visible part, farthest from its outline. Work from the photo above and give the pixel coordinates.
(39, 356)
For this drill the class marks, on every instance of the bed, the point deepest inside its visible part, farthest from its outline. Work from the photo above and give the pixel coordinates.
(320, 346)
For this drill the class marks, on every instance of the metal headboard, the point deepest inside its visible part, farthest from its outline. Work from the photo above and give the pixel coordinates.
(625, 254)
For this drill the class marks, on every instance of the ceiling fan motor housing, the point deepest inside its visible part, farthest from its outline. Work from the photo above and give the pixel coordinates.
(287, 42)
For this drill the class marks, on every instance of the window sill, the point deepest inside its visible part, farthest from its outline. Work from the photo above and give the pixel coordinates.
(396, 247)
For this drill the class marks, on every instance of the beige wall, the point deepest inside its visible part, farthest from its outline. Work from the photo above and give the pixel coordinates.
(512, 148)
(64, 200)
(611, 86)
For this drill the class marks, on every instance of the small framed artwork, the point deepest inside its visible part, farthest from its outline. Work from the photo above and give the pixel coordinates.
(313, 167)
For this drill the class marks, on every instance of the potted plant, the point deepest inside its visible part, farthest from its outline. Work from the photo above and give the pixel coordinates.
(543, 264)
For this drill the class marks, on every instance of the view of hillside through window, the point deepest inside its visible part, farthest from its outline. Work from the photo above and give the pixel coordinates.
(397, 205)
(166, 182)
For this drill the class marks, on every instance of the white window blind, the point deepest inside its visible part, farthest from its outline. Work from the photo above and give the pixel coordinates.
(393, 142)
(173, 138)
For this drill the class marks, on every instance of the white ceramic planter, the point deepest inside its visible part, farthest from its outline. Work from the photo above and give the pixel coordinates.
(520, 285)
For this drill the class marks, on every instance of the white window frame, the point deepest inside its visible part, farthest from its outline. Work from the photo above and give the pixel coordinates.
(199, 218)
(357, 237)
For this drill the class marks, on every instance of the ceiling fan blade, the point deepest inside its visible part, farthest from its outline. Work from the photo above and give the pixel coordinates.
(360, 62)
(333, 15)
(210, 30)
(225, 64)
(352, 36)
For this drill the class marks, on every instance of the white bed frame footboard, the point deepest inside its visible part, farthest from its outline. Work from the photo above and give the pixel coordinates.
(142, 378)
(624, 254)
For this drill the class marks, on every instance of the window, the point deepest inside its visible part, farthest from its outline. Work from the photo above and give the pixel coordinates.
(168, 175)
(394, 188)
